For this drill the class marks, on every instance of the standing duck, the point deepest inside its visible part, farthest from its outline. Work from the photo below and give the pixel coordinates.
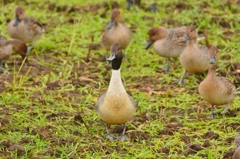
(116, 106)
(116, 32)
(24, 28)
(216, 90)
(236, 154)
(167, 43)
(6, 47)
(194, 58)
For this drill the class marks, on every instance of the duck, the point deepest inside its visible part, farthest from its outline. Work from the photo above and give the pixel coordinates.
(216, 90)
(116, 106)
(6, 47)
(194, 58)
(167, 43)
(115, 32)
(24, 28)
(236, 154)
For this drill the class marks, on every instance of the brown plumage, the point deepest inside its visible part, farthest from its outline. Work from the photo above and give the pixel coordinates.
(116, 32)
(24, 28)
(167, 43)
(216, 90)
(236, 154)
(6, 47)
(194, 58)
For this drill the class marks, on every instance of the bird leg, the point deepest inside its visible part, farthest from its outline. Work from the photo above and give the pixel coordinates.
(181, 81)
(212, 110)
(123, 137)
(226, 109)
(1, 67)
(29, 49)
(168, 67)
(109, 136)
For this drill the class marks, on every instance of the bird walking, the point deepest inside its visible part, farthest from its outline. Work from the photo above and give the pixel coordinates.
(216, 90)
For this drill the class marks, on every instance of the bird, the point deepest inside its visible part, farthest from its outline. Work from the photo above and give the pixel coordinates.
(6, 47)
(24, 28)
(115, 32)
(236, 154)
(167, 43)
(194, 58)
(116, 106)
(216, 90)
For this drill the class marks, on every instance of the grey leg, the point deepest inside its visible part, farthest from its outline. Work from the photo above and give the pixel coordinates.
(181, 81)
(226, 109)
(168, 67)
(29, 49)
(212, 110)
(123, 137)
(1, 67)
(109, 136)
(154, 7)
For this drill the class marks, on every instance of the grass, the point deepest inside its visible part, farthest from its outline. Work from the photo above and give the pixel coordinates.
(47, 106)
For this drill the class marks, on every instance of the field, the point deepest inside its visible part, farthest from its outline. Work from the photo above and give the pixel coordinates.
(47, 104)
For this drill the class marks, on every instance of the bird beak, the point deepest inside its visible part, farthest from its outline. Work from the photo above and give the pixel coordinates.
(112, 57)
(110, 25)
(185, 38)
(150, 42)
(16, 21)
(212, 59)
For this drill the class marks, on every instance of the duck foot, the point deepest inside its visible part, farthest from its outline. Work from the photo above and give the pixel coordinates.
(166, 69)
(123, 138)
(111, 137)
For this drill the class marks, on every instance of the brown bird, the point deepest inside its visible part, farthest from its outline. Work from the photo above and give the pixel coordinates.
(167, 43)
(216, 90)
(194, 58)
(116, 106)
(6, 47)
(236, 154)
(24, 28)
(116, 32)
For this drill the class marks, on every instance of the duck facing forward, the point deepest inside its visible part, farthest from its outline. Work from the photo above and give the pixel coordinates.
(194, 58)
(167, 43)
(216, 90)
(24, 28)
(116, 106)
(116, 32)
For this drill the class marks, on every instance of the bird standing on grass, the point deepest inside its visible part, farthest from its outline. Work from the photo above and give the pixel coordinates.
(116, 106)
(6, 47)
(167, 43)
(194, 58)
(24, 28)
(116, 32)
(216, 90)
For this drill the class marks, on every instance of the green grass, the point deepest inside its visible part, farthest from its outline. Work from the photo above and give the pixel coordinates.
(40, 100)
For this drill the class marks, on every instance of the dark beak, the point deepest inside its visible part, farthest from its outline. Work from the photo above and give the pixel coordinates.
(112, 57)
(111, 24)
(16, 21)
(150, 42)
(212, 59)
(185, 38)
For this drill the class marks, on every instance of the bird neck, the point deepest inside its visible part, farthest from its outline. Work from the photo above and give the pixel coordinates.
(212, 71)
(116, 84)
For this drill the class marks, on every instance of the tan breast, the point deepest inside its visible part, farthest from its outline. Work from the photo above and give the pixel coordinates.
(116, 108)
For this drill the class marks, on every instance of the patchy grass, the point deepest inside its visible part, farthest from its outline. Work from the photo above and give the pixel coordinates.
(47, 105)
